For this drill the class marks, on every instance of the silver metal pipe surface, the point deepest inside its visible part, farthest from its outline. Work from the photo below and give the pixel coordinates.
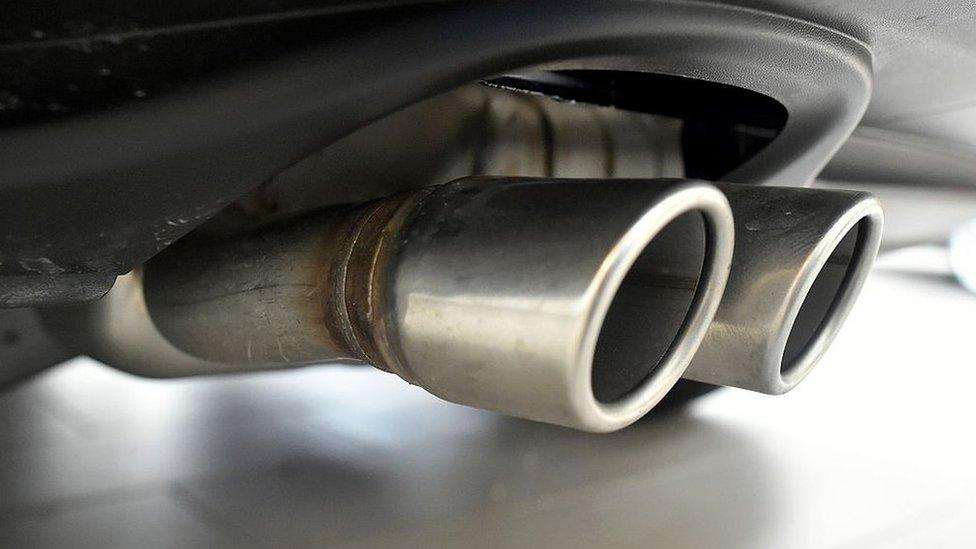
(574, 302)
(117, 330)
(801, 257)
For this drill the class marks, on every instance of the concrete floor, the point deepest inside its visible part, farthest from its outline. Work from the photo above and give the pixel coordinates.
(875, 450)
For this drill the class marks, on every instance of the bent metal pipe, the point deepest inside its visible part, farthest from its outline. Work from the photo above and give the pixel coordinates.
(575, 302)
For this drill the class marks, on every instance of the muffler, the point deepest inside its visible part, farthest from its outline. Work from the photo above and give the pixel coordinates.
(801, 257)
(574, 302)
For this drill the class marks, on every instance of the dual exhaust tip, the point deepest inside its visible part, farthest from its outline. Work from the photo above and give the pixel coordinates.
(573, 302)
(581, 303)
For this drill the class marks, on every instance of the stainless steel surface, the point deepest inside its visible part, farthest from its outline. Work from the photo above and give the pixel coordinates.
(117, 330)
(801, 257)
(349, 457)
(558, 301)
(575, 302)
(265, 298)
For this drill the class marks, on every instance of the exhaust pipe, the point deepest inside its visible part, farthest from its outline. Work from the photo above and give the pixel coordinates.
(117, 330)
(801, 258)
(573, 302)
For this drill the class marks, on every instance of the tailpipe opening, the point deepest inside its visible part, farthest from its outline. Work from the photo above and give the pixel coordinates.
(573, 302)
(801, 258)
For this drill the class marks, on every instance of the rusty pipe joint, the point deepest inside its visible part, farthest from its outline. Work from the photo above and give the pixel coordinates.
(574, 302)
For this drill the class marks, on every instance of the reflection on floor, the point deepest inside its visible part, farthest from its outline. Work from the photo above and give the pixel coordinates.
(874, 450)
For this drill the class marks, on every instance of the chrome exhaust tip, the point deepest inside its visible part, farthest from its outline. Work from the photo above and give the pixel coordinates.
(801, 258)
(573, 302)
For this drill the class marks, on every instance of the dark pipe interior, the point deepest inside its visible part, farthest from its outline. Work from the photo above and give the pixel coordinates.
(827, 290)
(650, 308)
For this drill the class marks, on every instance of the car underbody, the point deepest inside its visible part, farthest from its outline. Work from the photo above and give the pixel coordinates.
(566, 212)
